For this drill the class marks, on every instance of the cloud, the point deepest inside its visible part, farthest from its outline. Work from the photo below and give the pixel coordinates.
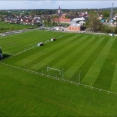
(54, 4)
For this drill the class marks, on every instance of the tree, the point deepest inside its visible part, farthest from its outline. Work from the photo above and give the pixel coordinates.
(107, 29)
(115, 31)
(94, 22)
(105, 13)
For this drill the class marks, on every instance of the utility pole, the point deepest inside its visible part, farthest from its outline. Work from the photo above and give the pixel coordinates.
(111, 13)
(79, 76)
(62, 73)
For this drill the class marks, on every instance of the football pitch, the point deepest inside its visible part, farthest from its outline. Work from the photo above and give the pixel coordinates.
(85, 59)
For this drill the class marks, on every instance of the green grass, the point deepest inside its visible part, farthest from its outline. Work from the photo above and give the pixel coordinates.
(85, 67)
(8, 27)
(27, 94)
(106, 74)
(20, 42)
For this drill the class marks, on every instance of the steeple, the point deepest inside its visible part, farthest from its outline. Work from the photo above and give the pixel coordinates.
(59, 10)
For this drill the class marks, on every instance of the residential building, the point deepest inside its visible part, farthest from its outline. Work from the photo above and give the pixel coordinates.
(62, 19)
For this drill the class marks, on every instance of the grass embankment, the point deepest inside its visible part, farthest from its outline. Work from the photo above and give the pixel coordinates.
(4, 27)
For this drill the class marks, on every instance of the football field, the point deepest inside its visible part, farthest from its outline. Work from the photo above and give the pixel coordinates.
(88, 59)
(85, 59)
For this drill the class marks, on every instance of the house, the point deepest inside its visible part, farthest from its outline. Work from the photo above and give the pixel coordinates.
(56, 28)
(74, 28)
(12, 19)
(7, 20)
(62, 19)
(30, 20)
(102, 20)
(76, 23)
(115, 15)
(78, 19)
(82, 14)
(25, 20)
(36, 21)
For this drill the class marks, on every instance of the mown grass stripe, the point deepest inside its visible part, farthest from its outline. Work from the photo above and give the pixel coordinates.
(49, 50)
(25, 35)
(105, 77)
(32, 41)
(18, 40)
(15, 39)
(27, 89)
(114, 80)
(56, 53)
(83, 55)
(37, 50)
(94, 71)
(73, 54)
(62, 58)
(90, 60)
(27, 94)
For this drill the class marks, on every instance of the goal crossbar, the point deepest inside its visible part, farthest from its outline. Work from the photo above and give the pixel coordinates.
(53, 69)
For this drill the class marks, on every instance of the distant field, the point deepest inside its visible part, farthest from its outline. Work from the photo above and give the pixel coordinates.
(82, 58)
(20, 42)
(6, 26)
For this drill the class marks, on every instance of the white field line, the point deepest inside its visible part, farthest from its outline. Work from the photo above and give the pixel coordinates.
(7, 53)
(29, 48)
(56, 78)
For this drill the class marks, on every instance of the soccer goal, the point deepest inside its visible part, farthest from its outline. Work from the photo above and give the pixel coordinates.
(53, 71)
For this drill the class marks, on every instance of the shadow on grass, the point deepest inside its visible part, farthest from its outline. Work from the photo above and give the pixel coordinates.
(5, 56)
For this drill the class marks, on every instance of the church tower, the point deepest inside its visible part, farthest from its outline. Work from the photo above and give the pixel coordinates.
(59, 11)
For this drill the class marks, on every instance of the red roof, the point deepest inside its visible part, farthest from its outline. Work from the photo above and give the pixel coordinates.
(62, 20)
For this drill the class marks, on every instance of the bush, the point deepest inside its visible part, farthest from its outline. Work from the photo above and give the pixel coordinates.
(107, 29)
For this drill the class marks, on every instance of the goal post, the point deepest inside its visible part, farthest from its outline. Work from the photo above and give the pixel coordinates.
(54, 69)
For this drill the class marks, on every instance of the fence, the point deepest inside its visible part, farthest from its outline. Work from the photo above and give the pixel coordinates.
(56, 78)
(61, 79)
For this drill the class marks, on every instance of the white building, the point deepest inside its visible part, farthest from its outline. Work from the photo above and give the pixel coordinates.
(77, 21)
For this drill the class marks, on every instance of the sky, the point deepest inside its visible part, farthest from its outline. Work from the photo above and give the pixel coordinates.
(54, 4)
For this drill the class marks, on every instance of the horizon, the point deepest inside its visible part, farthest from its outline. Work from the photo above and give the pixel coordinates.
(61, 8)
